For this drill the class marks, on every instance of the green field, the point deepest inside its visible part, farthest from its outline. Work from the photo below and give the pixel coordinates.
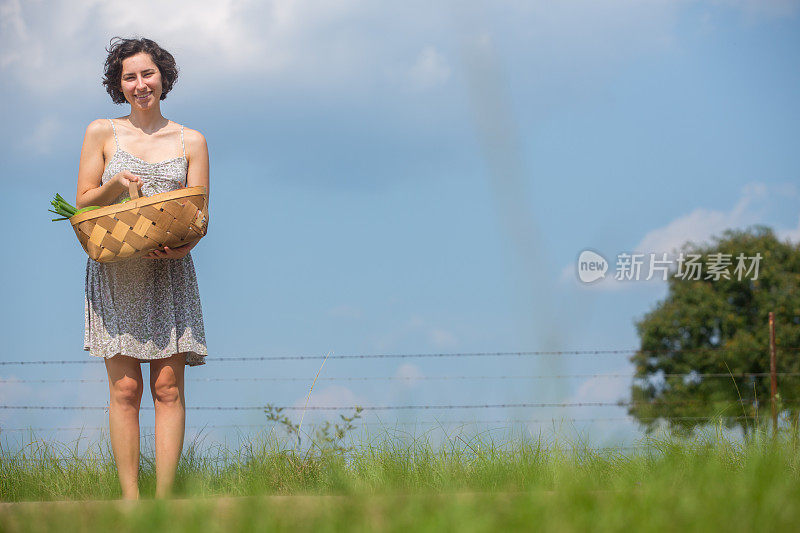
(390, 483)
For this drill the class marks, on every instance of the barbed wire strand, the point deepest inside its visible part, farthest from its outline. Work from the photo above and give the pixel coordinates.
(391, 407)
(426, 378)
(415, 355)
(389, 425)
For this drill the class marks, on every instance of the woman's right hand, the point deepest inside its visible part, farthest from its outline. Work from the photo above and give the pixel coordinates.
(125, 178)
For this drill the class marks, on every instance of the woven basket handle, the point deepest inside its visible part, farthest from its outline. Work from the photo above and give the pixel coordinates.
(133, 189)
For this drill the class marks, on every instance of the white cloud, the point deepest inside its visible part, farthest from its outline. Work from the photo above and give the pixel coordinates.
(698, 227)
(442, 338)
(13, 27)
(41, 139)
(409, 375)
(12, 391)
(603, 388)
(430, 70)
(331, 396)
(419, 331)
(13, 394)
(44, 45)
(53, 47)
(792, 234)
(701, 225)
(59, 45)
(409, 371)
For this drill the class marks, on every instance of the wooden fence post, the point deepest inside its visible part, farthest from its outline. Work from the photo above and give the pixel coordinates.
(773, 379)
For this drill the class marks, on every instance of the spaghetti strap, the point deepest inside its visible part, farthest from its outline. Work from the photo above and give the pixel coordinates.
(115, 133)
(182, 144)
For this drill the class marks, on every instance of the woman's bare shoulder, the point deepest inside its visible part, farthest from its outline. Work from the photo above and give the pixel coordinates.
(193, 136)
(99, 128)
(195, 141)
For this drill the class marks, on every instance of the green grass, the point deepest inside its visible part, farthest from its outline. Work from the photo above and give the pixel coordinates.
(707, 482)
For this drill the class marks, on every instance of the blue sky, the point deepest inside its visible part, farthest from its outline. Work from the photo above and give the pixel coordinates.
(405, 178)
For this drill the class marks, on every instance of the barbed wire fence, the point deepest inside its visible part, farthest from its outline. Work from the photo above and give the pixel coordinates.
(773, 374)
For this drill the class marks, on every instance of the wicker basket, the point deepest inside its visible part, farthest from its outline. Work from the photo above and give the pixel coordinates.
(143, 224)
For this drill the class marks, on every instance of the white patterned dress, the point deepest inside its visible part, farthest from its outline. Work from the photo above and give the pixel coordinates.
(145, 308)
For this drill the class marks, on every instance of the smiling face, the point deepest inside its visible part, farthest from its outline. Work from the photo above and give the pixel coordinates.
(141, 81)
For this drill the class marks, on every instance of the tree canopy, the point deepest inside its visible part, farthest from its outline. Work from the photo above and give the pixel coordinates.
(696, 344)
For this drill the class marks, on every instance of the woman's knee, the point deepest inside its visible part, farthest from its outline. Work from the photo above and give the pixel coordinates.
(127, 391)
(167, 387)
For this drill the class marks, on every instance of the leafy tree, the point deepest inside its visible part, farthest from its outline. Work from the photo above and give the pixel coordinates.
(709, 326)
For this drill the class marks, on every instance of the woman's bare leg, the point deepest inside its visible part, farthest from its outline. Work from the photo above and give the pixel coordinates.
(166, 386)
(125, 390)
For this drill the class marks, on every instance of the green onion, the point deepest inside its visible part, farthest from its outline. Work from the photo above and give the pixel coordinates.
(67, 211)
(81, 210)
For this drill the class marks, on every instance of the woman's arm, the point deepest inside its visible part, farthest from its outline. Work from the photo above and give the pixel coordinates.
(198, 172)
(91, 190)
(197, 155)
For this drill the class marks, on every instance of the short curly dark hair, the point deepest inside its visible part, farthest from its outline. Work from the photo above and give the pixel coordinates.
(120, 49)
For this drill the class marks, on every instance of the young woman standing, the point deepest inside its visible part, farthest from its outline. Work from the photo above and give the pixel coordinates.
(145, 309)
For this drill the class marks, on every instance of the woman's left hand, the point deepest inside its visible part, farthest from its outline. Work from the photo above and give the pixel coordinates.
(171, 253)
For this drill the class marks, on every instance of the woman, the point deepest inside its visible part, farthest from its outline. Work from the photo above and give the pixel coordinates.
(145, 309)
